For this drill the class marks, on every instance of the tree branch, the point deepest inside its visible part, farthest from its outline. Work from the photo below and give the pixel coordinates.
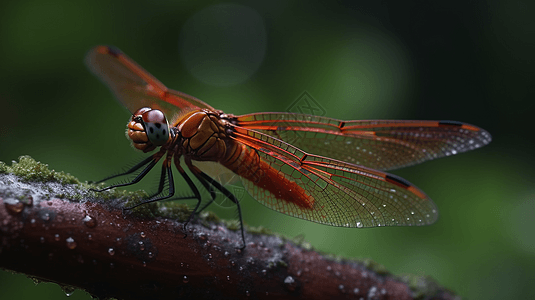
(62, 232)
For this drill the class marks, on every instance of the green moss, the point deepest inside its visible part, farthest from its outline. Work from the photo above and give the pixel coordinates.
(29, 169)
(206, 217)
(134, 197)
(149, 210)
(375, 266)
(232, 224)
(275, 264)
(299, 240)
(282, 263)
(209, 216)
(259, 230)
(174, 210)
(423, 287)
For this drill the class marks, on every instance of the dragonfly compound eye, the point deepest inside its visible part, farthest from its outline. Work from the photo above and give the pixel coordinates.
(156, 126)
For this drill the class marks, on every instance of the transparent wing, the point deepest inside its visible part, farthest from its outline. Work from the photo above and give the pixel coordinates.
(217, 172)
(332, 192)
(134, 86)
(378, 144)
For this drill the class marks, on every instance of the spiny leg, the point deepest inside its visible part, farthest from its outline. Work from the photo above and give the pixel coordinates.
(162, 181)
(207, 180)
(166, 169)
(212, 195)
(196, 171)
(230, 196)
(151, 161)
(209, 188)
(193, 188)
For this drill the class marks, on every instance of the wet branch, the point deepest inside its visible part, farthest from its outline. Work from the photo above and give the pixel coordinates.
(93, 245)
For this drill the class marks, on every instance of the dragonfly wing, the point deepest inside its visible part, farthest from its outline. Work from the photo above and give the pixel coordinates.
(134, 87)
(336, 193)
(378, 144)
(217, 172)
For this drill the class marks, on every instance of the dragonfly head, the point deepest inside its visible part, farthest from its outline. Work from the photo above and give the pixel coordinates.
(148, 129)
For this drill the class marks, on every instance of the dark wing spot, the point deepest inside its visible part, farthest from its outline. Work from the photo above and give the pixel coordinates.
(397, 181)
(157, 136)
(151, 129)
(452, 123)
(114, 51)
(164, 132)
(158, 125)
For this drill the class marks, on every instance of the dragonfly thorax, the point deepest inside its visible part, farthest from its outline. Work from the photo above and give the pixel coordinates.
(148, 128)
(203, 135)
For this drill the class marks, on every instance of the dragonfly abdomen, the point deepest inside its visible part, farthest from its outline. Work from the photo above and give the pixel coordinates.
(247, 163)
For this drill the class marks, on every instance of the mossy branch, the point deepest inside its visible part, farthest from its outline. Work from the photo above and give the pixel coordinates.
(53, 228)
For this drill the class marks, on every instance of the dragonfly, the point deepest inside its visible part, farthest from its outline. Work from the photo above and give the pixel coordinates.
(310, 167)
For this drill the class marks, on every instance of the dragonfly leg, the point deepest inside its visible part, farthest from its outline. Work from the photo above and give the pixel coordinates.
(150, 162)
(162, 182)
(208, 187)
(211, 190)
(231, 197)
(166, 169)
(207, 180)
(193, 188)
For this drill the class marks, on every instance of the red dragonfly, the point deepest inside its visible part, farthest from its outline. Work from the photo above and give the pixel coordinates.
(331, 173)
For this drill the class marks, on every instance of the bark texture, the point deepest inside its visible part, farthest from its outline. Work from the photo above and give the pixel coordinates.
(64, 233)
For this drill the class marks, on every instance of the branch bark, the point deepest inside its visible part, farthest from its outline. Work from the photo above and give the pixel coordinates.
(89, 243)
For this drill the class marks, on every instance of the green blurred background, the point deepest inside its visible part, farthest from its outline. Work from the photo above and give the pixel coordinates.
(470, 61)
